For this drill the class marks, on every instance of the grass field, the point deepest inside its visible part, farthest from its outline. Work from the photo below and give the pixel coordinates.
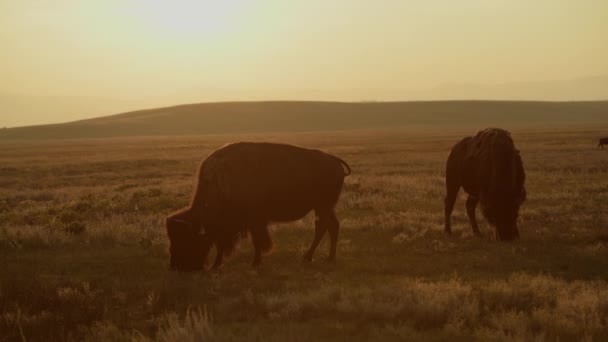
(83, 253)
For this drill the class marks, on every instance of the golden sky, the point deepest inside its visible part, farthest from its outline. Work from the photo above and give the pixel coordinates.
(128, 54)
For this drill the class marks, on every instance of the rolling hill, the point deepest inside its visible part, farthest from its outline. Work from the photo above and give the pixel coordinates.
(299, 116)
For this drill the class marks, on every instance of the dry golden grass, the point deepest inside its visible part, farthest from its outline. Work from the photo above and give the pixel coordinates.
(84, 255)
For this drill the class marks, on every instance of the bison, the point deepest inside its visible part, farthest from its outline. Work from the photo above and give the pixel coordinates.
(603, 141)
(490, 169)
(242, 187)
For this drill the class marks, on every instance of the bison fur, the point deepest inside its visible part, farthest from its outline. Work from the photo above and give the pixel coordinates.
(242, 187)
(490, 169)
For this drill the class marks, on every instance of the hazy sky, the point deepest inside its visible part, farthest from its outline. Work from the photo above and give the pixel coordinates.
(106, 55)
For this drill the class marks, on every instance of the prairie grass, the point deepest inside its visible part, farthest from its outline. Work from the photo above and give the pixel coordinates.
(83, 253)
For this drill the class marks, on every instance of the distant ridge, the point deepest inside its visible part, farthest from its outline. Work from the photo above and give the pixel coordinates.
(299, 116)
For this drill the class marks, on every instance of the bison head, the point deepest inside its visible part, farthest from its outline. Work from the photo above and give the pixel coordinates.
(507, 232)
(502, 213)
(188, 248)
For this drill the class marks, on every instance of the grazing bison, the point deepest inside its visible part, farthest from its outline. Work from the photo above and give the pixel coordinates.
(242, 187)
(603, 141)
(490, 170)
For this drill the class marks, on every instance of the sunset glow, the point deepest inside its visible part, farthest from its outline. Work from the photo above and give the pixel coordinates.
(186, 18)
(83, 58)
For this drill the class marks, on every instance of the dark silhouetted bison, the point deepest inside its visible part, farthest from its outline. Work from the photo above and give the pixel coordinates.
(242, 187)
(490, 170)
(603, 141)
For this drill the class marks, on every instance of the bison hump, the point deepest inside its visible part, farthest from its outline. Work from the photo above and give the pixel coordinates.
(258, 172)
(488, 141)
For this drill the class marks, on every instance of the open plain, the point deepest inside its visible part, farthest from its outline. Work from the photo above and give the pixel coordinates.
(84, 254)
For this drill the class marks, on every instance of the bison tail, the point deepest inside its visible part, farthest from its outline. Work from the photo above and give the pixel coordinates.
(347, 170)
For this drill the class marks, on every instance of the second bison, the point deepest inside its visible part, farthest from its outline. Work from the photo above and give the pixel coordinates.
(242, 187)
(490, 169)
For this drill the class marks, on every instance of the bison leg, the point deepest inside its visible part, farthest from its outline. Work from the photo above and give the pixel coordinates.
(471, 204)
(326, 221)
(333, 226)
(450, 199)
(261, 241)
(205, 246)
(320, 229)
(217, 264)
